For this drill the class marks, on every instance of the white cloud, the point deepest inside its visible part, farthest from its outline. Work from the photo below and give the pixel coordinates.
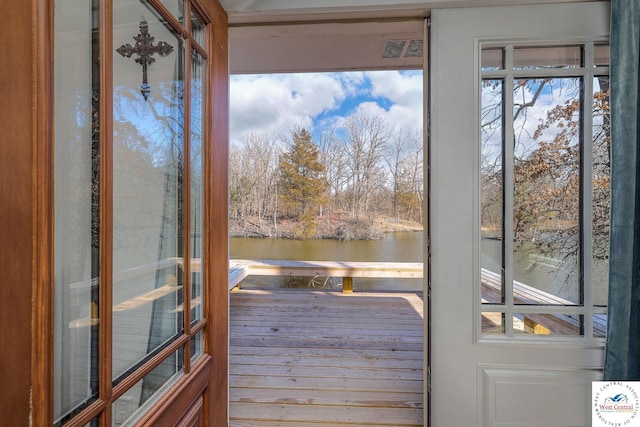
(404, 90)
(400, 88)
(273, 104)
(371, 108)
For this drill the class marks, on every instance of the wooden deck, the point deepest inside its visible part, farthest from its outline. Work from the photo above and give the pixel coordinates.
(319, 358)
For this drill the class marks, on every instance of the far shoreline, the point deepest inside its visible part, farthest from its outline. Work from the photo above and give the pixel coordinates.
(326, 228)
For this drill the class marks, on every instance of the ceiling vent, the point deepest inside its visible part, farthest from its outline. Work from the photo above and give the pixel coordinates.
(400, 48)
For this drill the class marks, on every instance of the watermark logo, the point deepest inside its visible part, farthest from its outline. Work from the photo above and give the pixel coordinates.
(615, 403)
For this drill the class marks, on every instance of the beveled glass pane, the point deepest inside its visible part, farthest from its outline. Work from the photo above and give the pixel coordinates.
(550, 324)
(77, 209)
(148, 163)
(547, 130)
(601, 55)
(525, 58)
(491, 190)
(493, 323)
(599, 325)
(198, 86)
(197, 345)
(492, 59)
(93, 423)
(141, 396)
(601, 189)
(176, 7)
(197, 28)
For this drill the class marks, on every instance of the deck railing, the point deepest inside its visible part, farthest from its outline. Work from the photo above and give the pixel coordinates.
(239, 269)
(564, 324)
(545, 323)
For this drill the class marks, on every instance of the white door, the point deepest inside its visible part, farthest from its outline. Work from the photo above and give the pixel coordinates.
(517, 279)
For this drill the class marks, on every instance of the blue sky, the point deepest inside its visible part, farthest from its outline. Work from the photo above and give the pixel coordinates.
(273, 104)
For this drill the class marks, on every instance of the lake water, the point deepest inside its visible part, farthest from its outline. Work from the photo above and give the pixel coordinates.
(394, 247)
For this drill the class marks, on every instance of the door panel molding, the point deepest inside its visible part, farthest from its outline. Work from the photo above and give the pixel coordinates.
(518, 394)
(460, 388)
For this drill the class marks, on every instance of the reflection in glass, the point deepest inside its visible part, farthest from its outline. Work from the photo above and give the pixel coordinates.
(601, 189)
(599, 325)
(176, 7)
(550, 324)
(526, 58)
(550, 145)
(77, 209)
(198, 68)
(601, 55)
(142, 395)
(148, 163)
(197, 28)
(492, 59)
(493, 323)
(546, 195)
(197, 346)
(491, 190)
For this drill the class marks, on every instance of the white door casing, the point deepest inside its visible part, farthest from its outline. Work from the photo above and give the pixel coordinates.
(478, 380)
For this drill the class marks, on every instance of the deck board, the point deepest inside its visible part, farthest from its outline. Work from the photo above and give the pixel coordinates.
(318, 358)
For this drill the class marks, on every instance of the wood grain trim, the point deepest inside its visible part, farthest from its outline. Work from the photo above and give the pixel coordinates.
(203, 12)
(198, 327)
(186, 191)
(106, 208)
(87, 414)
(194, 416)
(199, 49)
(42, 269)
(17, 209)
(216, 221)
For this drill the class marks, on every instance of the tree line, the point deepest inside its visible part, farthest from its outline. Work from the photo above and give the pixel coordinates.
(337, 185)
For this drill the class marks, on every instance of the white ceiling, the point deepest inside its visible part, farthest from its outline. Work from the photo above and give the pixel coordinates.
(326, 46)
(268, 36)
(261, 11)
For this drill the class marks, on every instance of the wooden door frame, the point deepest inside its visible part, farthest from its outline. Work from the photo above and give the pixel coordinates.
(216, 221)
(26, 222)
(26, 225)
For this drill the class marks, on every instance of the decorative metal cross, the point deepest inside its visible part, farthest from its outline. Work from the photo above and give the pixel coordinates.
(145, 49)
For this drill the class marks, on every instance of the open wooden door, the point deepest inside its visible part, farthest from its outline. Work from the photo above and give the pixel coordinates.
(115, 205)
(518, 286)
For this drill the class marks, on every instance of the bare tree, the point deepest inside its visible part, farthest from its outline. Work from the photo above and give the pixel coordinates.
(394, 162)
(253, 181)
(410, 189)
(332, 156)
(367, 139)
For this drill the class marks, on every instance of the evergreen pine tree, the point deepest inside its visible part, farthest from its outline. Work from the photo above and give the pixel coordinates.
(302, 181)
